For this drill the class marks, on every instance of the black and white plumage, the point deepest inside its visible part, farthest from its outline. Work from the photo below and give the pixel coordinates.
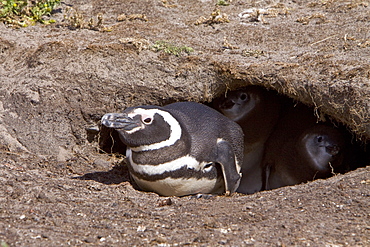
(180, 149)
(256, 110)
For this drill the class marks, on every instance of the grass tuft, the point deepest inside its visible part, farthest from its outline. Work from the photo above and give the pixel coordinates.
(3, 244)
(171, 48)
(17, 13)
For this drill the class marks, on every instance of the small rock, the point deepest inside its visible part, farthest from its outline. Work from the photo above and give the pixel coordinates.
(121, 17)
(165, 202)
(64, 154)
(141, 229)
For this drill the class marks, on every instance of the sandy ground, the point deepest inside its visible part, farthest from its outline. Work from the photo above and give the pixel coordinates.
(61, 184)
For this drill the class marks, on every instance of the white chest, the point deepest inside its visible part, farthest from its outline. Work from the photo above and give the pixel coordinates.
(175, 186)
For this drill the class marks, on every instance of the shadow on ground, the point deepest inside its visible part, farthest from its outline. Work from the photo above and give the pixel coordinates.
(118, 174)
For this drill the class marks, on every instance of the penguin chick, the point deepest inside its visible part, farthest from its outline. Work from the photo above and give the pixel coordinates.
(256, 110)
(180, 149)
(295, 155)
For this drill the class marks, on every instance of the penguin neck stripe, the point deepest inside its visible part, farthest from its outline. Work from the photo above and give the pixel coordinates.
(185, 161)
(134, 130)
(175, 130)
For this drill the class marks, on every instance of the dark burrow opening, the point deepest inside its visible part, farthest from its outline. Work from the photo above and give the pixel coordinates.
(285, 141)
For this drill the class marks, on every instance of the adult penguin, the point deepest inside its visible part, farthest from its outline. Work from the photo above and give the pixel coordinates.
(180, 149)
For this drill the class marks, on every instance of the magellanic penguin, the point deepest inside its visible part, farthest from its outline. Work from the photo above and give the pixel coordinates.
(256, 110)
(183, 148)
(301, 150)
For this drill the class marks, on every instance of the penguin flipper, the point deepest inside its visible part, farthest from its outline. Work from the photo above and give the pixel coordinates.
(226, 159)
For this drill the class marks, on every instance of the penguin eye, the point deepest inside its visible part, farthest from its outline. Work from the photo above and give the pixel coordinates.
(147, 120)
(319, 139)
(243, 96)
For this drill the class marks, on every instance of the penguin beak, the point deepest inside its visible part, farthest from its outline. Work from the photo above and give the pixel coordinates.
(120, 121)
(228, 104)
(332, 150)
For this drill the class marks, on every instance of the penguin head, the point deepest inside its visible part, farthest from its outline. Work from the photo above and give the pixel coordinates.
(239, 104)
(323, 145)
(144, 127)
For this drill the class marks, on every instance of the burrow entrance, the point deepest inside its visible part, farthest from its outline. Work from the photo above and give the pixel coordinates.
(292, 120)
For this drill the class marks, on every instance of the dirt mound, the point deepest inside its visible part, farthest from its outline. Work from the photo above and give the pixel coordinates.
(58, 80)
